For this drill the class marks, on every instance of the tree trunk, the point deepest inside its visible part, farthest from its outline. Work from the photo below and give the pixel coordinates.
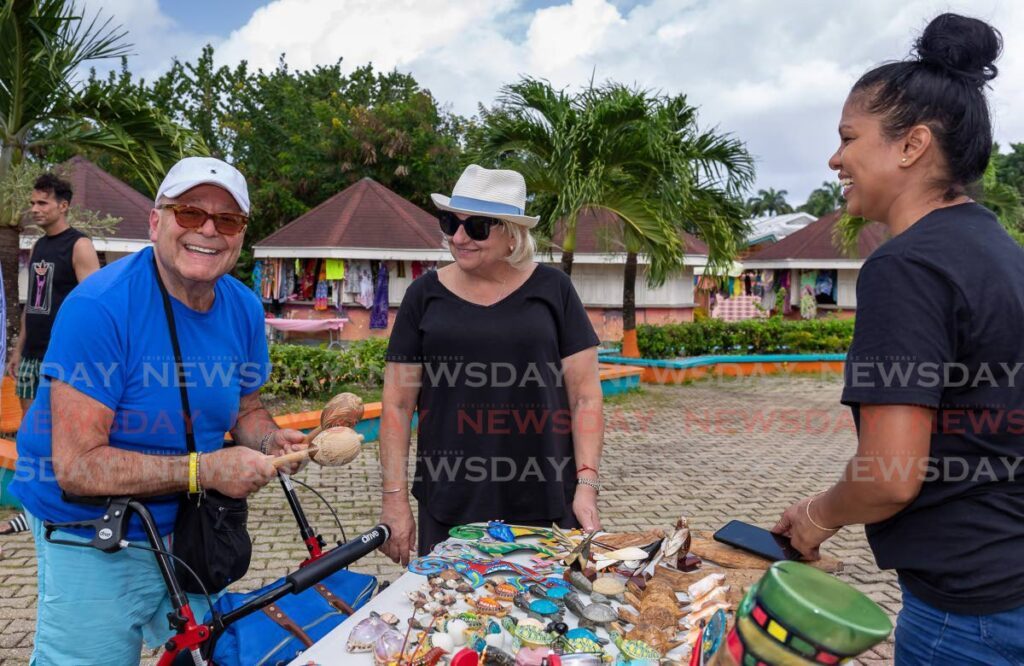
(9, 264)
(567, 256)
(629, 344)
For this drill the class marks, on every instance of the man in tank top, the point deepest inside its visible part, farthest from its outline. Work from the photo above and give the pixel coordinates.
(62, 258)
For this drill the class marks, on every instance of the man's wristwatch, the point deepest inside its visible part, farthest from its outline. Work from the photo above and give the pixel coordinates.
(593, 483)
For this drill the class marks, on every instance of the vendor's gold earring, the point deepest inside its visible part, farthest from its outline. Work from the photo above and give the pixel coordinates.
(511, 248)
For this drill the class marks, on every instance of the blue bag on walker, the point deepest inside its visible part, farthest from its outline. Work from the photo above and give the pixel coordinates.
(283, 630)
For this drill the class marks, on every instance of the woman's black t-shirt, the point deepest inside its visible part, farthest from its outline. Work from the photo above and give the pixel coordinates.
(495, 428)
(940, 324)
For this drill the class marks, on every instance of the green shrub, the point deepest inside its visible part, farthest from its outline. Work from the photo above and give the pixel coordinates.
(753, 336)
(304, 371)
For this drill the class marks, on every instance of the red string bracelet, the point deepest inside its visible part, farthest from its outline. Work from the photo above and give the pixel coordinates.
(586, 467)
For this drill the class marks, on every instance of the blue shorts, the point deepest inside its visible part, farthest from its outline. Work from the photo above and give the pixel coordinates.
(96, 607)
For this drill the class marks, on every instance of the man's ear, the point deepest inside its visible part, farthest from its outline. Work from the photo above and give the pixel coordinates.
(154, 222)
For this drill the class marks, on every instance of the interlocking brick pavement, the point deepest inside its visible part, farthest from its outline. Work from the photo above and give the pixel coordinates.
(714, 451)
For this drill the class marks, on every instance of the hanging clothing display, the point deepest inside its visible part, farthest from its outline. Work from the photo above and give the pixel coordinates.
(825, 286)
(365, 284)
(335, 269)
(257, 277)
(808, 303)
(379, 312)
(808, 306)
(783, 279)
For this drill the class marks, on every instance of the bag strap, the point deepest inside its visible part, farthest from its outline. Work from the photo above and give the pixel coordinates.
(190, 440)
(281, 619)
(334, 600)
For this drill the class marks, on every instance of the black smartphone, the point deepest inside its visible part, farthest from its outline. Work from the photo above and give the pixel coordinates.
(757, 540)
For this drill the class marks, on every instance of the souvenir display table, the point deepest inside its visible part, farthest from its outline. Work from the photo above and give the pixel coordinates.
(516, 597)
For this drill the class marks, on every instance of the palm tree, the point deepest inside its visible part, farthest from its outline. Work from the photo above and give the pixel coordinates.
(769, 202)
(824, 199)
(693, 184)
(574, 151)
(42, 106)
(632, 153)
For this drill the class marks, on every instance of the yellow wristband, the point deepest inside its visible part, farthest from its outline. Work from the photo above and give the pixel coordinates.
(193, 473)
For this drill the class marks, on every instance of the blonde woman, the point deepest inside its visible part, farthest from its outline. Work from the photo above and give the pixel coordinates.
(498, 357)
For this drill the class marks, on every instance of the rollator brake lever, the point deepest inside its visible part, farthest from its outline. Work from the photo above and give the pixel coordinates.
(109, 529)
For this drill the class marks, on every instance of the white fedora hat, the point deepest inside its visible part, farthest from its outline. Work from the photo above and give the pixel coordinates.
(496, 193)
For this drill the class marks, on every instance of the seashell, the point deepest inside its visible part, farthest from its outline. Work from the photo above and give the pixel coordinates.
(531, 622)
(431, 606)
(623, 554)
(450, 574)
(452, 584)
(442, 640)
(705, 585)
(609, 586)
(694, 619)
(388, 646)
(366, 633)
(390, 618)
(716, 595)
(456, 629)
(579, 581)
(495, 640)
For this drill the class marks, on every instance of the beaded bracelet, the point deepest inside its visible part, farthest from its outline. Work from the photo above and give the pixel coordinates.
(265, 443)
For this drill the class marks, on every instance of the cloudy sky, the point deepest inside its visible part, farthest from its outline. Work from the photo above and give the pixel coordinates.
(773, 72)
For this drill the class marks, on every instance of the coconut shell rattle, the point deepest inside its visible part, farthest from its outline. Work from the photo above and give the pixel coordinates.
(332, 447)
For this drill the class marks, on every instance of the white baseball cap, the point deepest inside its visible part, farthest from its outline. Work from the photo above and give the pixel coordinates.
(192, 171)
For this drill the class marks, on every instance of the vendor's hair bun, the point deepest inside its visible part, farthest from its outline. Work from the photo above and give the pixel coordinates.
(944, 88)
(965, 47)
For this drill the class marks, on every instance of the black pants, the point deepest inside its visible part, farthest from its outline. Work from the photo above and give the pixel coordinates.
(432, 532)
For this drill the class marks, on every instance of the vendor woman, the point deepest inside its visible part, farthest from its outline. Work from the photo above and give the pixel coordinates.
(498, 357)
(933, 374)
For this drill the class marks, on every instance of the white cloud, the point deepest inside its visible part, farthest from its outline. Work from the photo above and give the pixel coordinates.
(155, 37)
(563, 35)
(773, 73)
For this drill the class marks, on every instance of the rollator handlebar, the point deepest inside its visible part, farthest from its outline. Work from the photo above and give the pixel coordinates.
(338, 558)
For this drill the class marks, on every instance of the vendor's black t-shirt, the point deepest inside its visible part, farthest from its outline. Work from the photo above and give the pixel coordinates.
(495, 431)
(940, 323)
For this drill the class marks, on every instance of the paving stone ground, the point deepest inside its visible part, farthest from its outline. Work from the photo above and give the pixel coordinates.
(714, 451)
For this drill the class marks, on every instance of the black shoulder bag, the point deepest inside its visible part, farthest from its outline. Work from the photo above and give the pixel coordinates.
(210, 534)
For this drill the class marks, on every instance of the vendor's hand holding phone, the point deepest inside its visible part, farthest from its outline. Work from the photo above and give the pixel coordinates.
(757, 540)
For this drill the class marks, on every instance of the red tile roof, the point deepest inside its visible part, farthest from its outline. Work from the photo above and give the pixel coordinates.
(96, 190)
(598, 231)
(364, 215)
(815, 242)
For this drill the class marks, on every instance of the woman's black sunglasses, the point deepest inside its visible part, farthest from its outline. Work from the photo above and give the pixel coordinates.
(478, 227)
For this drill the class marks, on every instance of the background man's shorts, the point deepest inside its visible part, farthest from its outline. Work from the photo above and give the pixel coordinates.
(27, 381)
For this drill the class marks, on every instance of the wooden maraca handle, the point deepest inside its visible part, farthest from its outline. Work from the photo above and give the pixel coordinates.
(312, 435)
(294, 456)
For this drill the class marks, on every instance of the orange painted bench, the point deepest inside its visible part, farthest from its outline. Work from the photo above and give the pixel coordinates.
(10, 406)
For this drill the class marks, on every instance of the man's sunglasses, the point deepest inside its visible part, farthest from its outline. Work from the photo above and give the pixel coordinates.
(478, 227)
(190, 217)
